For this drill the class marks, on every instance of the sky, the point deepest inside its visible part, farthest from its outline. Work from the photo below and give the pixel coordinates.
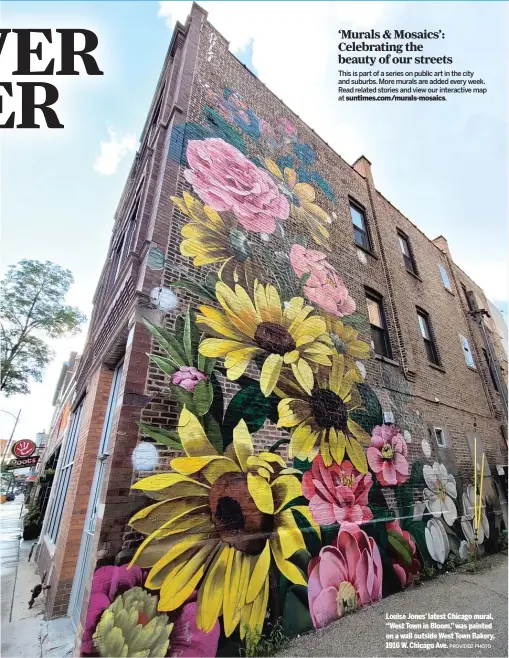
(443, 165)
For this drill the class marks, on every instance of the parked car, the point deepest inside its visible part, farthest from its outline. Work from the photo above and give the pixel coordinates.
(10, 496)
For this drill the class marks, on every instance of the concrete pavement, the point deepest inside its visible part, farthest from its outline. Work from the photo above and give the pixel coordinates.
(25, 632)
(364, 633)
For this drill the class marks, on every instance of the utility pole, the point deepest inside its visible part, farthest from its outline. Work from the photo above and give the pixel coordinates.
(9, 442)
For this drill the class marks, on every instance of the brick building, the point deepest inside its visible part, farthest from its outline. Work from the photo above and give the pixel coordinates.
(432, 367)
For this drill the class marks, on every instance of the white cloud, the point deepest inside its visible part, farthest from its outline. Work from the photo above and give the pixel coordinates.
(113, 151)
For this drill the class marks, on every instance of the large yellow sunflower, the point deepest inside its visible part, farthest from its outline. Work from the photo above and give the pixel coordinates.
(320, 421)
(219, 522)
(287, 338)
(302, 206)
(210, 238)
(346, 342)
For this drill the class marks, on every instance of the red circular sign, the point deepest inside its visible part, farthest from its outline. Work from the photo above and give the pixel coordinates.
(23, 448)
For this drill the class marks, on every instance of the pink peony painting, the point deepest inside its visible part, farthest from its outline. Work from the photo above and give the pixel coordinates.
(188, 377)
(344, 576)
(324, 287)
(225, 179)
(387, 455)
(338, 493)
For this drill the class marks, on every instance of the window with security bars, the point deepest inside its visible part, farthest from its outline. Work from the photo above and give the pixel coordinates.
(64, 475)
(360, 228)
(427, 336)
(379, 333)
(407, 253)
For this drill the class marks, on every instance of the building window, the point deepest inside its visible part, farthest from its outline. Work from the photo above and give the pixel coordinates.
(407, 253)
(156, 114)
(125, 241)
(467, 352)
(491, 369)
(64, 476)
(440, 437)
(445, 277)
(360, 228)
(427, 336)
(379, 333)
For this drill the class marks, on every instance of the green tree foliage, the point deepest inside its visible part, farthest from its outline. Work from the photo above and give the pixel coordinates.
(32, 309)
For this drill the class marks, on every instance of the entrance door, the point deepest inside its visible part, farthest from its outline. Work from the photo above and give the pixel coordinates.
(83, 565)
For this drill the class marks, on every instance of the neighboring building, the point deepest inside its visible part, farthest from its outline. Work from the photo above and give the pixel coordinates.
(53, 469)
(500, 324)
(426, 373)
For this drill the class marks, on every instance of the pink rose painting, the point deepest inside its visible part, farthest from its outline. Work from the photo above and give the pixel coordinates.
(188, 377)
(387, 455)
(338, 493)
(225, 179)
(324, 287)
(186, 639)
(344, 576)
(407, 567)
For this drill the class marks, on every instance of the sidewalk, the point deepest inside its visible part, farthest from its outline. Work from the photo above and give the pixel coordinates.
(364, 633)
(25, 632)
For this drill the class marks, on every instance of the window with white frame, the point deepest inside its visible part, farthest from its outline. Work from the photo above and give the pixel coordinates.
(440, 437)
(467, 352)
(64, 476)
(445, 277)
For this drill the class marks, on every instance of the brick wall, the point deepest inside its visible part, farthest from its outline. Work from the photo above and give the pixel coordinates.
(452, 396)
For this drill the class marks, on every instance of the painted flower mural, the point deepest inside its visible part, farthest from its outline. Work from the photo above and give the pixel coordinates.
(225, 179)
(188, 377)
(324, 287)
(437, 541)
(237, 537)
(387, 455)
(286, 337)
(122, 620)
(131, 624)
(337, 493)
(403, 553)
(440, 492)
(320, 420)
(467, 520)
(210, 238)
(220, 523)
(344, 576)
(303, 208)
(346, 341)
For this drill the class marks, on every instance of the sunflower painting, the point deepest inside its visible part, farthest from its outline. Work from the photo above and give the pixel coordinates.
(219, 524)
(285, 337)
(320, 421)
(270, 508)
(212, 239)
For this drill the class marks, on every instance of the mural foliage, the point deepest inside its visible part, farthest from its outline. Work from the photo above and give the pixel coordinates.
(239, 539)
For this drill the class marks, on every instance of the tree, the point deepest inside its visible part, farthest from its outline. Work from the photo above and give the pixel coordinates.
(32, 308)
